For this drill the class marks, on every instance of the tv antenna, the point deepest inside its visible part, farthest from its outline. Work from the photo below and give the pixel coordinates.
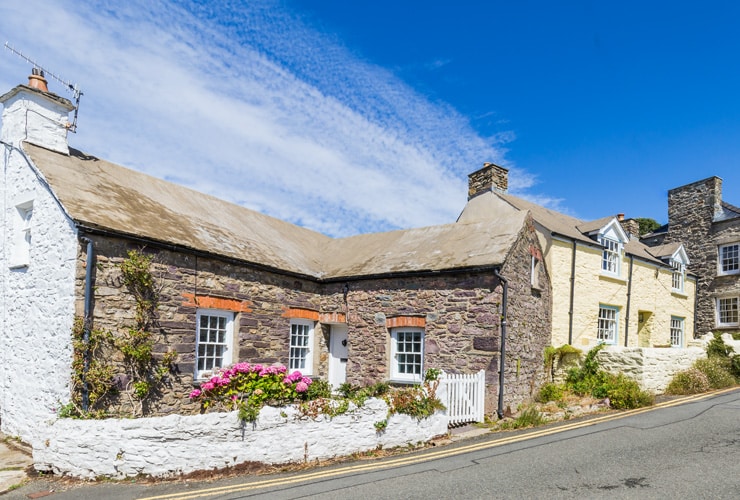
(76, 92)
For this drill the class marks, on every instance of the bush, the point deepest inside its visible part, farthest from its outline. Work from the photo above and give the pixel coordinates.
(530, 417)
(625, 393)
(551, 392)
(691, 381)
(718, 371)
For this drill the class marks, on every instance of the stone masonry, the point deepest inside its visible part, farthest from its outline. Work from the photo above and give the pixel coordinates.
(460, 311)
(695, 217)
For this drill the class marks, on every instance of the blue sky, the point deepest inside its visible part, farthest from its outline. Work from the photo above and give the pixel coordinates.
(350, 117)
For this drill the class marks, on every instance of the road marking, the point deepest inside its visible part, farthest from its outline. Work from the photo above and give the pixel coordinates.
(428, 456)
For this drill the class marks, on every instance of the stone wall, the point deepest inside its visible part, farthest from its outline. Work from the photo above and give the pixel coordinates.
(37, 304)
(691, 211)
(174, 445)
(460, 313)
(652, 368)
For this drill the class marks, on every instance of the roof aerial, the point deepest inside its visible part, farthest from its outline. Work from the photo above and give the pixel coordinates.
(39, 72)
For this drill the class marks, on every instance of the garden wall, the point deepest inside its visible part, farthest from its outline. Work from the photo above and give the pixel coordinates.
(176, 444)
(652, 367)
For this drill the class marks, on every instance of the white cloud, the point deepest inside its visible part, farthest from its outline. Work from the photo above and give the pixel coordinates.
(248, 103)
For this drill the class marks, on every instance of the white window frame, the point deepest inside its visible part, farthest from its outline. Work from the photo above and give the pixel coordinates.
(407, 354)
(678, 276)
(611, 256)
(607, 330)
(730, 308)
(677, 331)
(221, 353)
(728, 259)
(20, 255)
(300, 346)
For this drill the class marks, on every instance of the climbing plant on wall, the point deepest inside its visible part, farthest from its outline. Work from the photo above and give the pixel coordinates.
(139, 375)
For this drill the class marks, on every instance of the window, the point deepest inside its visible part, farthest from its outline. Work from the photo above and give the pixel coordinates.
(301, 343)
(676, 331)
(729, 259)
(727, 311)
(678, 276)
(610, 256)
(21, 250)
(407, 354)
(213, 341)
(607, 328)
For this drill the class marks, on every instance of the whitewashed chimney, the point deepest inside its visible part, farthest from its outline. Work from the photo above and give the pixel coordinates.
(33, 114)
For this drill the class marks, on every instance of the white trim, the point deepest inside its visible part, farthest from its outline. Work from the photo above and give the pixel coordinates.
(732, 310)
(607, 329)
(300, 346)
(677, 329)
(733, 259)
(410, 357)
(211, 337)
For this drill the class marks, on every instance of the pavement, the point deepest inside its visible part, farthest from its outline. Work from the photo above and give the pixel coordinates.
(15, 458)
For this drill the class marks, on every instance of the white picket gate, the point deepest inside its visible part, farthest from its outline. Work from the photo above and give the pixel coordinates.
(463, 395)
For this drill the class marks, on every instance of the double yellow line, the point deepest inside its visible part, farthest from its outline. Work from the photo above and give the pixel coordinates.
(424, 457)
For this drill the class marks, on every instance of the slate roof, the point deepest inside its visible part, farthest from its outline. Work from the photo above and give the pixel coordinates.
(100, 195)
(483, 205)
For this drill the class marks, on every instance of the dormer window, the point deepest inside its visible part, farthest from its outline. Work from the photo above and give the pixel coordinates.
(611, 256)
(679, 275)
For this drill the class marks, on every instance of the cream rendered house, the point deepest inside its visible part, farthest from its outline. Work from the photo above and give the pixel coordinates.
(607, 286)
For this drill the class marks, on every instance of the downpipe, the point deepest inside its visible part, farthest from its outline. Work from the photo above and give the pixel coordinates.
(87, 323)
(504, 299)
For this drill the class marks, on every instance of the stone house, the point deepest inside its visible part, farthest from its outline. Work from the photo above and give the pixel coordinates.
(710, 228)
(236, 285)
(607, 286)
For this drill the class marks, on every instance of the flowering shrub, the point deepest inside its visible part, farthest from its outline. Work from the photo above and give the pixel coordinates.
(247, 388)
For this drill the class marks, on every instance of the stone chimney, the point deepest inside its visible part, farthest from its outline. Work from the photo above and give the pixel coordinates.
(630, 226)
(33, 114)
(489, 178)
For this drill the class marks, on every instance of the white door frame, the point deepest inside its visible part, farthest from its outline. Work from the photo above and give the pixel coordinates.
(338, 354)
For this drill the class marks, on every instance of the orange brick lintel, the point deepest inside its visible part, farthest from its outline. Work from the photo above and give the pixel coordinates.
(210, 302)
(332, 317)
(299, 313)
(399, 321)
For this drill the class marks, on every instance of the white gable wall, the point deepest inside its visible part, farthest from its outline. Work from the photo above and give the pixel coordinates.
(37, 302)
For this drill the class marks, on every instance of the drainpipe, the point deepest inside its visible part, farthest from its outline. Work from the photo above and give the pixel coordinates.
(505, 284)
(572, 293)
(87, 322)
(629, 299)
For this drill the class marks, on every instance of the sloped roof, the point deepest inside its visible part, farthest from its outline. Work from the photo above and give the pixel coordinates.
(728, 212)
(489, 203)
(101, 195)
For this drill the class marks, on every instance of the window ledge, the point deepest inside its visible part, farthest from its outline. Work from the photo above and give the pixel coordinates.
(18, 265)
(681, 294)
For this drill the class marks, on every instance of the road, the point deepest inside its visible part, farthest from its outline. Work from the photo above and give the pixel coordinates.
(686, 450)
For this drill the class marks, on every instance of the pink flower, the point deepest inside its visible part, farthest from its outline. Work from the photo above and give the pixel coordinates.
(233, 397)
(195, 393)
(224, 381)
(301, 387)
(287, 381)
(306, 380)
(242, 367)
(208, 386)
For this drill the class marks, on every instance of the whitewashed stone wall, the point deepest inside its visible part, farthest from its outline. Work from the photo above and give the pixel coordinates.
(37, 303)
(176, 444)
(652, 367)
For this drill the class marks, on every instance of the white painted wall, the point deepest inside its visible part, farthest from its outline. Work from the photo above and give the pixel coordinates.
(652, 367)
(37, 302)
(176, 444)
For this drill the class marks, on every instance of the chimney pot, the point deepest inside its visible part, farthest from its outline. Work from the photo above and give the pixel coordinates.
(620, 217)
(37, 81)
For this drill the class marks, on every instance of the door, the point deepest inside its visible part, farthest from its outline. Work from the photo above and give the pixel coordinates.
(337, 356)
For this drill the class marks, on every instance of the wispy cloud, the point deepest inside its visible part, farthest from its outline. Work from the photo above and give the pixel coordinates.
(248, 103)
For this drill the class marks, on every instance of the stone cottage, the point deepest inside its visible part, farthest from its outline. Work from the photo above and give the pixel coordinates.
(607, 286)
(236, 285)
(710, 228)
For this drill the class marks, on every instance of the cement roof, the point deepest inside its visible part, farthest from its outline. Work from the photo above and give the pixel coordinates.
(101, 195)
(490, 203)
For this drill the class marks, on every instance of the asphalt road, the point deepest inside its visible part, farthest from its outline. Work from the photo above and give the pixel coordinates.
(688, 450)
